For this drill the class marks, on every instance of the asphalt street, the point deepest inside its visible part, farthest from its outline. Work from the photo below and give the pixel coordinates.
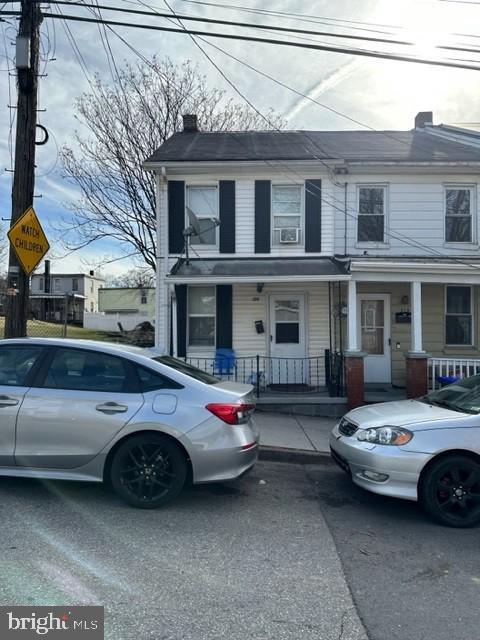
(253, 560)
(411, 579)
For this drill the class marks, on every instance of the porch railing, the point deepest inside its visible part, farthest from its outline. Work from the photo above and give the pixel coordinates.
(450, 368)
(269, 375)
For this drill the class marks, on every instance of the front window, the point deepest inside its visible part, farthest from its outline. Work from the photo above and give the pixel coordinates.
(80, 370)
(463, 396)
(203, 202)
(57, 284)
(74, 284)
(16, 362)
(286, 214)
(40, 284)
(371, 214)
(201, 316)
(458, 315)
(458, 214)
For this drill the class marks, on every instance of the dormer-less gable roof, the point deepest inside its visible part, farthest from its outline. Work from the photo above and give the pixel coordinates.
(349, 146)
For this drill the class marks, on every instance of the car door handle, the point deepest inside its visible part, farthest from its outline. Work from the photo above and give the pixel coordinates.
(111, 407)
(5, 401)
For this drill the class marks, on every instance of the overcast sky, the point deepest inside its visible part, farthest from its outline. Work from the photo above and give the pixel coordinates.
(377, 93)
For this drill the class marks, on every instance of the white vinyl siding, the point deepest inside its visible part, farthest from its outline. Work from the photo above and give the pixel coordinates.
(416, 216)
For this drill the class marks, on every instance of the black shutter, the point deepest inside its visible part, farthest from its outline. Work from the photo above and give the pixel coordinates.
(313, 216)
(227, 216)
(224, 316)
(176, 215)
(181, 295)
(262, 216)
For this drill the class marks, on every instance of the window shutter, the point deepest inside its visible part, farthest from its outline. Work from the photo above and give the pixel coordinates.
(227, 216)
(181, 295)
(224, 316)
(313, 216)
(262, 216)
(176, 215)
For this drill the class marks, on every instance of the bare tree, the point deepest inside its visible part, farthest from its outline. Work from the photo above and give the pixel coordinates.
(138, 278)
(127, 123)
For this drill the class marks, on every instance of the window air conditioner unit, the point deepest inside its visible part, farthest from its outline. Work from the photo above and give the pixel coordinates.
(289, 235)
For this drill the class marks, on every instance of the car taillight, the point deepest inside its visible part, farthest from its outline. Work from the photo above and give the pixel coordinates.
(231, 413)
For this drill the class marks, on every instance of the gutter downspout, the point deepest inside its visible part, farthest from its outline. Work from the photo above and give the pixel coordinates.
(345, 225)
(161, 298)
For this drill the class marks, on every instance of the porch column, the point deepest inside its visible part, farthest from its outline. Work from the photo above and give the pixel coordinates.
(416, 358)
(354, 376)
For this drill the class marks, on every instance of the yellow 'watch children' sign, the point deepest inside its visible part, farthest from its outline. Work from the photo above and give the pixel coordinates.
(29, 240)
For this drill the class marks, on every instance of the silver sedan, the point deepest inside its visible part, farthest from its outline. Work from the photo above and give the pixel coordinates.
(82, 410)
(426, 450)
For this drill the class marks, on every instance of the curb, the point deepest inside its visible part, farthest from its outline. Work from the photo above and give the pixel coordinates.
(297, 456)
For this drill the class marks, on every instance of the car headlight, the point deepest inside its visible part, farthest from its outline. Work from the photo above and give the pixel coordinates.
(385, 435)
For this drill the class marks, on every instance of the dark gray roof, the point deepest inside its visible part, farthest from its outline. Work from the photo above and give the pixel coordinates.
(401, 146)
(258, 267)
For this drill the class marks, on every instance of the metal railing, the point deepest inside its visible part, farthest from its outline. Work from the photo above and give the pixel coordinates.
(449, 369)
(269, 375)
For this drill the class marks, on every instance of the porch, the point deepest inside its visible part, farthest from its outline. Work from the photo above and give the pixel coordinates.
(409, 323)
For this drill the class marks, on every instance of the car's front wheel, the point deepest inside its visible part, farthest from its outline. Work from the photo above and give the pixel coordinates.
(148, 470)
(450, 491)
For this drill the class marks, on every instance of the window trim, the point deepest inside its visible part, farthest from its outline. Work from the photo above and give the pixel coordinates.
(281, 245)
(200, 185)
(473, 208)
(472, 315)
(193, 347)
(373, 185)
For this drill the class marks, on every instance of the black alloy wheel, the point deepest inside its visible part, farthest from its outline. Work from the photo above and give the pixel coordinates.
(450, 491)
(148, 470)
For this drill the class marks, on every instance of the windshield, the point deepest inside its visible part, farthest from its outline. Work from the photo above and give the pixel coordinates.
(461, 396)
(187, 369)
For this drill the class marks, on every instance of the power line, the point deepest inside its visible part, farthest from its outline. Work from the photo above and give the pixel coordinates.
(451, 62)
(251, 25)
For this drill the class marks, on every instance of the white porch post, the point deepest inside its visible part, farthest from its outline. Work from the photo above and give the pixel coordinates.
(162, 293)
(416, 326)
(352, 316)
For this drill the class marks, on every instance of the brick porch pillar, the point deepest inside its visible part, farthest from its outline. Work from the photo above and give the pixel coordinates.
(417, 374)
(354, 378)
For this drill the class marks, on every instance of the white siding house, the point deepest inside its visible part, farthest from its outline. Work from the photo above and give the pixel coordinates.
(315, 243)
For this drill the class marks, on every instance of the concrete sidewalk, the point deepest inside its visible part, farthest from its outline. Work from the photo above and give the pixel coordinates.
(305, 436)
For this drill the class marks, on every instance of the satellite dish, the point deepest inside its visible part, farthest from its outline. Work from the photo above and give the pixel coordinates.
(194, 223)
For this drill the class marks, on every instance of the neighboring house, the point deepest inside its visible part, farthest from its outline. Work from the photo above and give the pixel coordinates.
(54, 295)
(354, 242)
(138, 301)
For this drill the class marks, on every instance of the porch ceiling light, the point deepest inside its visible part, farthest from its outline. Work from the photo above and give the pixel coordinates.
(260, 286)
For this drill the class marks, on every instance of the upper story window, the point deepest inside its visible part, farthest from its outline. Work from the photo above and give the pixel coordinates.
(203, 201)
(74, 284)
(286, 214)
(40, 284)
(201, 316)
(371, 213)
(458, 214)
(458, 315)
(57, 284)
(143, 298)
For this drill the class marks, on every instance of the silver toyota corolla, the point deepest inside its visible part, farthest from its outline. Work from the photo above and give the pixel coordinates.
(82, 410)
(426, 449)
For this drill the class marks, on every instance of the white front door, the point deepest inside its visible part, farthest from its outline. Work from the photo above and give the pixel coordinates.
(287, 339)
(374, 335)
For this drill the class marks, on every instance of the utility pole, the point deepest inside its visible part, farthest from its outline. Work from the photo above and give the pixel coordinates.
(27, 62)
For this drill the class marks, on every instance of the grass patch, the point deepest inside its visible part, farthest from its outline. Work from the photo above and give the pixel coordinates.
(39, 329)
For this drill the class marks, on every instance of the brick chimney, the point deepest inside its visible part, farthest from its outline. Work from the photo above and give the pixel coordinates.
(190, 122)
(422, 118)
